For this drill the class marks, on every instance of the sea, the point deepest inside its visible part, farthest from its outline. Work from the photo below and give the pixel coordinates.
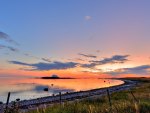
(31, 88)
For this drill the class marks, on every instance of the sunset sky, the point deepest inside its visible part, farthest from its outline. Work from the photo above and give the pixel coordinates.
(75, 38)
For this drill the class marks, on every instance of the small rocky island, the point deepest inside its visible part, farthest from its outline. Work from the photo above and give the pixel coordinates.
(55, 77)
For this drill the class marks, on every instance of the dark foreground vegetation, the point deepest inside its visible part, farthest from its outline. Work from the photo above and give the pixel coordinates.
(135, 100)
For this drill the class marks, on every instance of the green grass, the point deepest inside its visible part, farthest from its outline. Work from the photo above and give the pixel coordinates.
(122, 102)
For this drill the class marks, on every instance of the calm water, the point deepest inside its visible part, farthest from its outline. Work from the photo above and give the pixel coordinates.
(33, 88)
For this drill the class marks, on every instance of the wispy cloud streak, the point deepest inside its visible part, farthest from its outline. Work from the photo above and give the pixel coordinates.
(43, 59)
(87, 55)
(9, 48)
(6, 37)
(46, 59)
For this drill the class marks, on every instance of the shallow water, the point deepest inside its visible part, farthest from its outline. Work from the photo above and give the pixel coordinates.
(34, 88)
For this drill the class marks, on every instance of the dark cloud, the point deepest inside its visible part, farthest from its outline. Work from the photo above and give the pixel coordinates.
(112, 60)
(3, 35)
(87, 55)
(20, 63)
(12, 49)
(9, 48)
(139, 70)
(6, 37)
(47, 66)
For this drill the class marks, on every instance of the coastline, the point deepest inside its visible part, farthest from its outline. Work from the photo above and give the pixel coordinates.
(26, 105)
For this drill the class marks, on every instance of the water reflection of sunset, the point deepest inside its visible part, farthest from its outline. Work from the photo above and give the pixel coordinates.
(76, 84)
(35, 87)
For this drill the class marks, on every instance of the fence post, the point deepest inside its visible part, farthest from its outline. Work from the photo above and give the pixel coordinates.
(60, 97)
(108, 94)
(8, 97)
(136, 102)
(133, 96)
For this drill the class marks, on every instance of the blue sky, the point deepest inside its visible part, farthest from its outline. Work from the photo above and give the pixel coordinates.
(60, 30)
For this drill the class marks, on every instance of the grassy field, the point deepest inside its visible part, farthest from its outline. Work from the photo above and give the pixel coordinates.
(136, 100)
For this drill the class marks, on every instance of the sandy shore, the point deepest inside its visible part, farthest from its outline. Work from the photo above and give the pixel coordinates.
(46, 101)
